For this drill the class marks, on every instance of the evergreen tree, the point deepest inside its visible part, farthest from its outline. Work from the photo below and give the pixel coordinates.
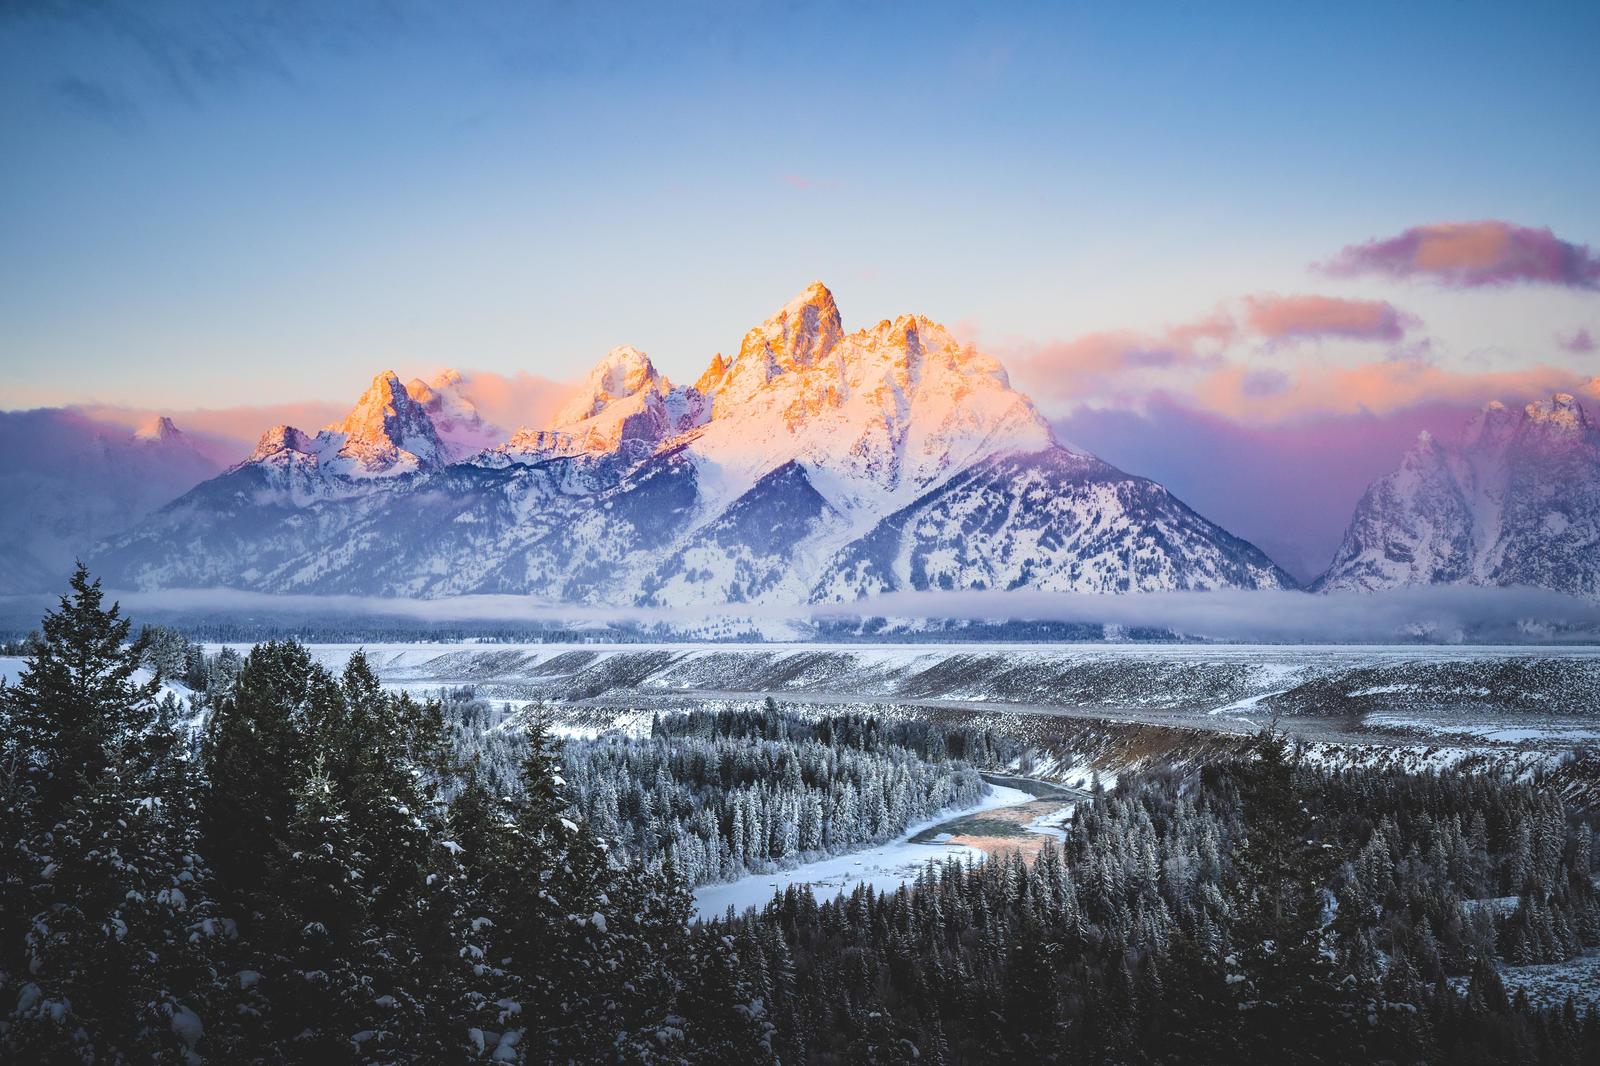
(104, 904)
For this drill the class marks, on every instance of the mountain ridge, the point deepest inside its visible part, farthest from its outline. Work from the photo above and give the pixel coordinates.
(1512, 499)
(760, 482)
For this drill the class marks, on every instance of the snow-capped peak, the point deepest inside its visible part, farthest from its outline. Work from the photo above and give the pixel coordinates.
(623, 373)
(1513, 500)
(890, 410)
(282, 438)
(624, 403)
(802, 332)
(460, 426)
(801, 335)
(387, 432)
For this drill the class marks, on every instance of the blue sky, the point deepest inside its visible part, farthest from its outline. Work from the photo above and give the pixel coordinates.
(202, 206)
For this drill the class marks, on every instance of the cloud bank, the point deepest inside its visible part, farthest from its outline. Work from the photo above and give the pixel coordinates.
(1436, 614)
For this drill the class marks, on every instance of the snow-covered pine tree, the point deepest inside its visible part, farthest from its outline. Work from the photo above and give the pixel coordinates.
(106, 922)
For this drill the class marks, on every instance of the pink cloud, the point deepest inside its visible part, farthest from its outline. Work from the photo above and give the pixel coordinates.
(515, 401)
(509, 402)
(1474, 254)
(1095, 363)
(1287, 318)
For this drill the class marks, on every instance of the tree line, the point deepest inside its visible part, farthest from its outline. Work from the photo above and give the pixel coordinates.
(293, 888)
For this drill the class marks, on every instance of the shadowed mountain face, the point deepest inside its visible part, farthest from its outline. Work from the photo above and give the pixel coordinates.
(1513, 500)
(814, 466)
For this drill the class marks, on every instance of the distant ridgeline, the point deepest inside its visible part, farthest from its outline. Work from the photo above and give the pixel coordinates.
(331, 872)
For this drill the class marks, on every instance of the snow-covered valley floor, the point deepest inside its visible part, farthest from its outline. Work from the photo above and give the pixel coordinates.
(1511, 698)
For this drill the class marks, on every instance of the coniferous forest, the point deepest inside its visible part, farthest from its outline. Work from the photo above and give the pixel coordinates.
(306, 867)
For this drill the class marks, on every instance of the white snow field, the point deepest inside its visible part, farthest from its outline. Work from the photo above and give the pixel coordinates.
(885, 867)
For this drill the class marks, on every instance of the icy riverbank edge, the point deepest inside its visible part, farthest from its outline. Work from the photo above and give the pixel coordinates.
(885, 867)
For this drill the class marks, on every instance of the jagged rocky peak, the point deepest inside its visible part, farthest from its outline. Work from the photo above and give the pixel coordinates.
(281, 439)
(160, 430)
(1560, 414)
(387, 431)
(1514, 499)
(625, 372)
(801, 333)
(386, 411)
(714, 373)
(800, 336)
(624, 403)
(875, 416)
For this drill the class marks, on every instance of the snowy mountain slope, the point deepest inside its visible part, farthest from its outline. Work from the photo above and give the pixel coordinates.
(814, 464)
(69, 481)
(1051, 520)
(877, 417)
(1514, 500)
(761, 547)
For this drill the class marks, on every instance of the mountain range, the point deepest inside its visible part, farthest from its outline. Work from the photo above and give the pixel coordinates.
(814, 466)
(1514, 499)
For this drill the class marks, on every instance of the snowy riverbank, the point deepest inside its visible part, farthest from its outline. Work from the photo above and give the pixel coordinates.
(885, 867)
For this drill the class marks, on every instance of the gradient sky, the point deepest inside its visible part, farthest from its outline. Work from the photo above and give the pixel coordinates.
(206, 205)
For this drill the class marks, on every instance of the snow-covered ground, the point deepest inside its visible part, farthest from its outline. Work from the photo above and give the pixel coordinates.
(1549, 984)
(11, 667)
(885, 867)
(1467, 699)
